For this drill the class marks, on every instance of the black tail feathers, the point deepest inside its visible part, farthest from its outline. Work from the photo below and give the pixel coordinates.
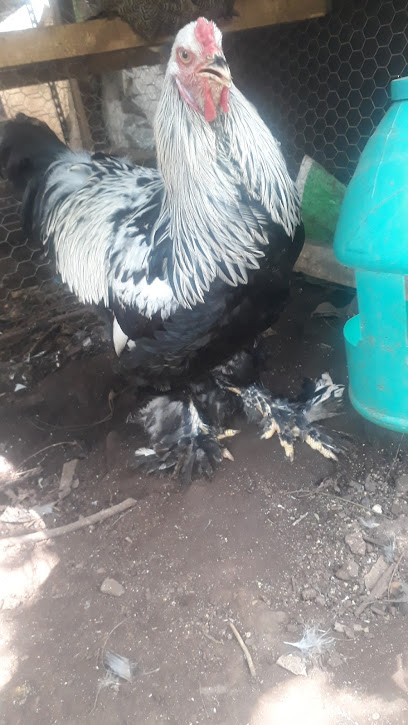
(27, 148)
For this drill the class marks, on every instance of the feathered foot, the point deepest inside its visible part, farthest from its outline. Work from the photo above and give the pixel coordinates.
(293, 420)
(181, 442)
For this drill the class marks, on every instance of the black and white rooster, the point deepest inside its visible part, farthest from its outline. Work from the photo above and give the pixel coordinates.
(193, 259)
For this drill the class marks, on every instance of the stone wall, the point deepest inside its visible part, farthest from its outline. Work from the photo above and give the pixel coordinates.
(129, 101)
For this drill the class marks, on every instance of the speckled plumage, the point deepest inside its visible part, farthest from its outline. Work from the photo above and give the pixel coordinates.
(151, 18)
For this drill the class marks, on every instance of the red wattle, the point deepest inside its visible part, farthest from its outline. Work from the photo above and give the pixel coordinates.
(209, 108)
(224, 99)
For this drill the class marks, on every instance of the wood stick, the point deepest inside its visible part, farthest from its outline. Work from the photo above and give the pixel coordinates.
(378, 590)
(244, 648)
(47, 448)
(47, 534)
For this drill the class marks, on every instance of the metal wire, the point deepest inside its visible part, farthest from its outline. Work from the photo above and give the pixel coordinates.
(321, 85)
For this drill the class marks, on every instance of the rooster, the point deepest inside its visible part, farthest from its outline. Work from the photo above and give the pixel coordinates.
(193, 260)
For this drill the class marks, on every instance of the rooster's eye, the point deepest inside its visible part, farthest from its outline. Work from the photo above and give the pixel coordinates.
(184, 55)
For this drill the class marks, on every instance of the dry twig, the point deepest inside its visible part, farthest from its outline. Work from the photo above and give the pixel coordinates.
(210, 637)
(244, 648)
(22, 331)
(308, 494)
(47, 534)
(395, 459)
(53, 445)
(394, 571)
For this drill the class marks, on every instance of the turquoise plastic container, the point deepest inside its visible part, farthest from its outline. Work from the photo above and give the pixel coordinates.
(372, 237)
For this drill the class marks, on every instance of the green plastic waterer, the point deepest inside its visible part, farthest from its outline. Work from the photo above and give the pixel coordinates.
(372, 237)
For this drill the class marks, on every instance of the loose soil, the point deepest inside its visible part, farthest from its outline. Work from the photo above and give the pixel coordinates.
(280, 549)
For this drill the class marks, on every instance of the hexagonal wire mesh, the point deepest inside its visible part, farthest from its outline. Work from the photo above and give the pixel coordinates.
(321, 85)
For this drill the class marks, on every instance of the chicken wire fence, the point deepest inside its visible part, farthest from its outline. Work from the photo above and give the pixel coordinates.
(321, 85)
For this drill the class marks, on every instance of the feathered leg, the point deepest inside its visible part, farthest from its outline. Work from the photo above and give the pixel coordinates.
(295, 420)
(182, 440)
(187, 432)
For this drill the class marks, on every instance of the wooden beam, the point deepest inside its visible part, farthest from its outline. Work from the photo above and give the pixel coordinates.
(66, 42)
(31, 75)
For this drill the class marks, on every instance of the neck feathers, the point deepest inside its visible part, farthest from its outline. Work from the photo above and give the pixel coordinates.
(214, 232)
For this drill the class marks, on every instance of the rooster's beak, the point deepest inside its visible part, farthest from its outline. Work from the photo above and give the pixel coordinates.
(217, 69)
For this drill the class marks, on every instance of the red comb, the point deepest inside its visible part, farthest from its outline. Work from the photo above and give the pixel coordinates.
(204, 32)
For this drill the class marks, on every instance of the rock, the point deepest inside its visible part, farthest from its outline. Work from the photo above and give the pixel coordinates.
(358, 627)
(349, 633)
(399, 507)
(309, 594)
(372, 576)
(370, 485)
(401, 485)
(67, 478)
(292, 663)
(377, 508)
(129, 101)
(356, 486)
(112, 587)
(348, 571)
(356, 543)
(338, 627)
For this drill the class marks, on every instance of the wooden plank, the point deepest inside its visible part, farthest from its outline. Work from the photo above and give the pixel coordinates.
(30, 75)
(80, 115)
(64, 42)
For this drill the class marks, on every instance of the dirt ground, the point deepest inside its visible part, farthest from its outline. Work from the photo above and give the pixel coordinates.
(313, 553)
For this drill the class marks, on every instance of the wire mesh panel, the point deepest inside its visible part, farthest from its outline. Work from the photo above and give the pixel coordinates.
(21, 262)
(321, 85)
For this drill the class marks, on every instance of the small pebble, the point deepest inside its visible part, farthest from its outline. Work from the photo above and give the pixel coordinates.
(370, 485)
(375, 572)
(356, 543)
(292, 663)
(399, 507)
(112, 587)
(377, 508)
(348, 571)
(309, 594)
